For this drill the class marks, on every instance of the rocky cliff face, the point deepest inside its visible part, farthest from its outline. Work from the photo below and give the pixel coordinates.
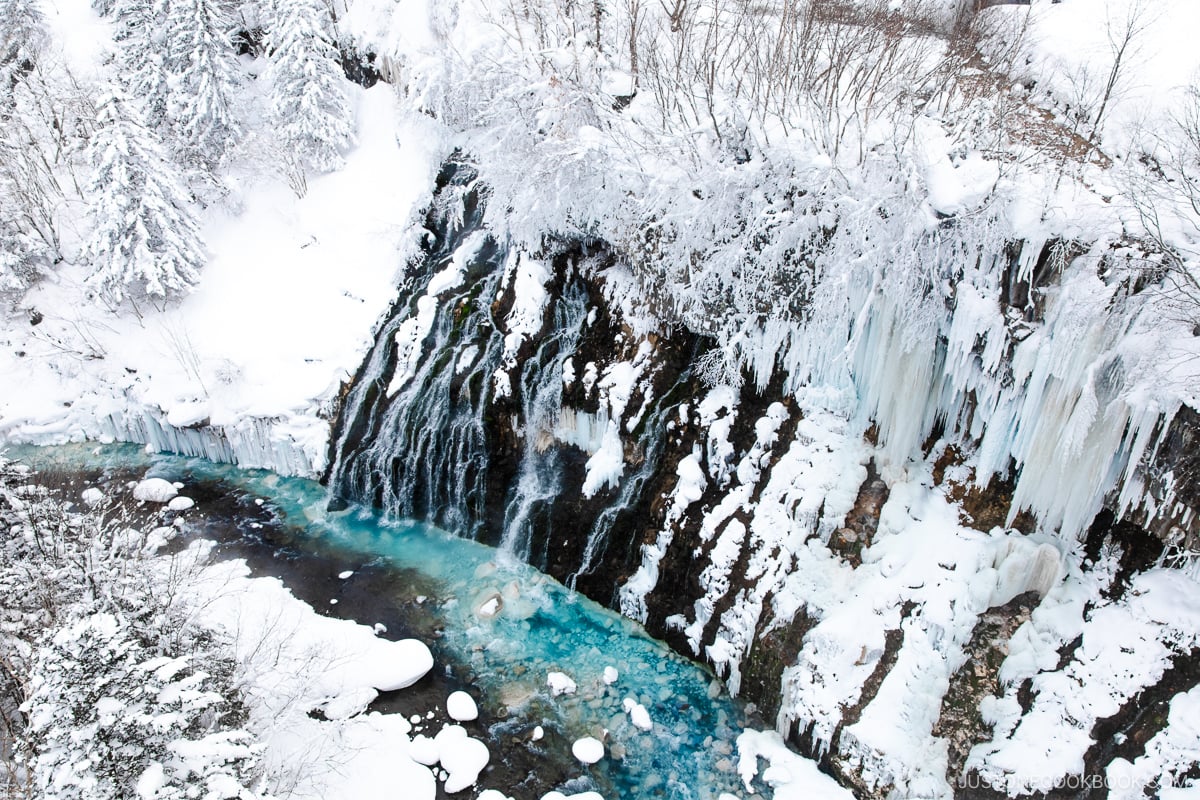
(923, 619)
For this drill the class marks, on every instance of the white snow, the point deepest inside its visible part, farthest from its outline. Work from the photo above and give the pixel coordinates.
(92, 496)
(610, 676)
(295, 660)
(303, 279)
(154, 490)
(638, 714)
(789, 776)
(462, 757)
(560, 683)
(180, 503)
(588, 750)
(461, 707)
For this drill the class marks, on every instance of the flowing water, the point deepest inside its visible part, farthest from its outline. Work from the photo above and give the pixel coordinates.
(538, 626)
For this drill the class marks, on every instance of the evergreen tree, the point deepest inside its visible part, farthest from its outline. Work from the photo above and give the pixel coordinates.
(22, 34)
(202, 75)
(145, 237)
(139, 28)
(308, 101)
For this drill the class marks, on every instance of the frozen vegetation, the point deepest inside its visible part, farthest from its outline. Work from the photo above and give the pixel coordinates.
(924, 263)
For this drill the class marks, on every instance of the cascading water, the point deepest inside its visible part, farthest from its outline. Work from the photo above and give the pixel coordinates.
(540, 479)
(414, 444)
(491, 389)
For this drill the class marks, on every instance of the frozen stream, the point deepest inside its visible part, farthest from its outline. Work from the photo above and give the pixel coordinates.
(509, 626)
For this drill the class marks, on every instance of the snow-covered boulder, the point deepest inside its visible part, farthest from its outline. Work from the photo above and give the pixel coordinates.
(461, 707)
(400, 665)
(589, 750)
(461, 756)
(154, 490)
(560, 683)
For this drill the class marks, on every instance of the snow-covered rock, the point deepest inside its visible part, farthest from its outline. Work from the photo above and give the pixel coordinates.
(399, 664)
(180, 503)
(461, 756)
(461, 707)
(588, 750)
(154, 490)
(560, 683)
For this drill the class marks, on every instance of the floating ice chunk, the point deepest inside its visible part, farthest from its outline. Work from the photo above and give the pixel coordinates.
(638, 714)
(462, 757)
(610, 675)
(560, 683)
(580, 796)
(346, 574)
(492, 794)
(537, 735)
(589, 750)
(406, 662)
(181, 503)
(154, 490)
(461, 707)
(92, 496)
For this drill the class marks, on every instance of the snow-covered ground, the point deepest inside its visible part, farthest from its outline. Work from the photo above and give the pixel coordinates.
(281, 318)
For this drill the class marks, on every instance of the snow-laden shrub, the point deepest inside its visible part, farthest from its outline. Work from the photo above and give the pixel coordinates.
(102, 693)
(108, 718)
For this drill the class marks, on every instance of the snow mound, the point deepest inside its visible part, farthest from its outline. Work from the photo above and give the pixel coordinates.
(560, 683)
(154, 490)
(181, 503)
(399, 664)
(589, 750)
(638, 714)
(461, 756)
(92, 496)
(461, 707)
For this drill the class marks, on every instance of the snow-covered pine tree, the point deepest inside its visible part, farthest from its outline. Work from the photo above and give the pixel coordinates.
(145, 239)
(202, 76)
(22, 34)
(309, 107)
(139, 28)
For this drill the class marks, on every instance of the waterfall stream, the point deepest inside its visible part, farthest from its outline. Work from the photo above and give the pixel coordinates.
(460, 414)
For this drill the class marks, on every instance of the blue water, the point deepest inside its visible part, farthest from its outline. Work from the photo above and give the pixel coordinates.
(541, 626)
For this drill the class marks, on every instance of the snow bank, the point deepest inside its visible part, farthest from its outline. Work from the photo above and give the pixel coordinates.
(244, 368)
(294, 661)
(789, 776)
